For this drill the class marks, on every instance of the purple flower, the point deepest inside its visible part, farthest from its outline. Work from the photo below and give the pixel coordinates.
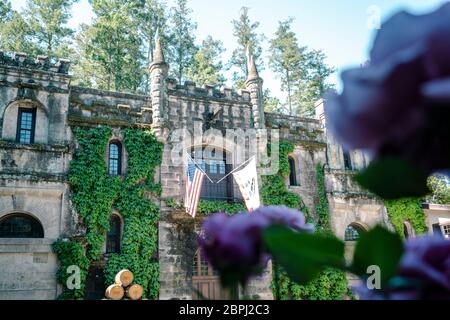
(424, 273)
(234, 245)
(400, 103)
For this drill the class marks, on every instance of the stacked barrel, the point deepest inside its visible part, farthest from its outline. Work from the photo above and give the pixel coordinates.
(124, 288)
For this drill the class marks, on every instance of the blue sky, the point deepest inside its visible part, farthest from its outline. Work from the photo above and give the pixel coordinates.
(337, 27)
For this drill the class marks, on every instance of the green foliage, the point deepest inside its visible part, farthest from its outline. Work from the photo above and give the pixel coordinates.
(109, 49)
(303, 265)
(246, 34)
(322, 207)
(182, 38)
(331, 284)
(402, 179)
(71, 253)
(206, 67)
(406, 209)
(95, 194)
(206, 208)
(440, 188)
(274, 191)
(371, 251)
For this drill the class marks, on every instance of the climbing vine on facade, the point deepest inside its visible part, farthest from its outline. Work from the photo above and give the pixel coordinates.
(406, 210)
(95, 195)
(330, 284)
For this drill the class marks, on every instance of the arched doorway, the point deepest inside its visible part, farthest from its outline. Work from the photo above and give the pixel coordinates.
(206, 282)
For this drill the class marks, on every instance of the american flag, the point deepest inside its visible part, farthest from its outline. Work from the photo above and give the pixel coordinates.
(194, 180)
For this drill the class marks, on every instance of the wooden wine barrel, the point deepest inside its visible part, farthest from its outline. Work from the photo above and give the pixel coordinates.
(114, 292)
(124, 277)
(134, 292)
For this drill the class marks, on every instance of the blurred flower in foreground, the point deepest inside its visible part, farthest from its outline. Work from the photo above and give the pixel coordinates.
(234, 245)
(399, 105)
(424, 273)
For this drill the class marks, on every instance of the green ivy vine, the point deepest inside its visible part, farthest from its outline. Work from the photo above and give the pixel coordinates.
(94, 195)
(406, 209)
(206, 207)
(330, 284)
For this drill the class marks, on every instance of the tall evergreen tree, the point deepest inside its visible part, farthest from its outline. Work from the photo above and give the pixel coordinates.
(314, 83)
(110, 49)
(47, 21)
(287, 59)
(207, 65)
(150, 17)
(15, 34)
(245, 32)
(183, 46)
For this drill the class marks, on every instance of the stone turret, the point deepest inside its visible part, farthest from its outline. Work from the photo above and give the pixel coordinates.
(158, 74)
(254, 84)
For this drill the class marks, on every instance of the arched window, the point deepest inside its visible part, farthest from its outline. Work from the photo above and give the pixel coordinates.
(26, 124)
(408, 230)
(352, 232)
(347, 161)
(115, 159)
(114, 235)
(18, 225)
(214, 163)
(292, 174)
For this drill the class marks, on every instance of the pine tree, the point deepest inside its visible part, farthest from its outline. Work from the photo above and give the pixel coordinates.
(183, 46)
(150, 16)
(314, 83)
(207, 66)
(47, 21)
(287, 59)
(246, 34)
(110, 49)
(15, 34)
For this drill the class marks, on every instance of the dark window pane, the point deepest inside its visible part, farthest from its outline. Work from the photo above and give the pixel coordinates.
(20, 226)
(113, 237)
(351, 233)
(292, 175)
(347, 161)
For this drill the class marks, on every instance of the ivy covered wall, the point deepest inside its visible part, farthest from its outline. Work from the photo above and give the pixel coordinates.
(330, 284)
(95, 195)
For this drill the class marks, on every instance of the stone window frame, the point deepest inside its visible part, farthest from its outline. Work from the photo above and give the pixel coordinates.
(41, 120)
(408, 230)
(294, 174)
(347, 160)
(122, 222)
(358, 226)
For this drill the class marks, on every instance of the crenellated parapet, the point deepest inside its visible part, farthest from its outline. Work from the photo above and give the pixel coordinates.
(39, 63)
(208, 91)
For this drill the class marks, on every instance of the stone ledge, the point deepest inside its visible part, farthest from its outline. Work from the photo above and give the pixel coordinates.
(34, 147)
(10, 245)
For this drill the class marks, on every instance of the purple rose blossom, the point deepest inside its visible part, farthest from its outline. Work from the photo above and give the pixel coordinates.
(424, 273)
(399, 104)
(234, 245)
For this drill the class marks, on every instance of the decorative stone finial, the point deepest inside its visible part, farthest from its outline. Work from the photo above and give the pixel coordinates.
(158, 56)
(251, 66)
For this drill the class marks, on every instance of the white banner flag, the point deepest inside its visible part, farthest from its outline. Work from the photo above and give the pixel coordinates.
(247, 180)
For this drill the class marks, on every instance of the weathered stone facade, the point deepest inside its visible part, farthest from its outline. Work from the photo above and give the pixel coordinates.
(33, 177)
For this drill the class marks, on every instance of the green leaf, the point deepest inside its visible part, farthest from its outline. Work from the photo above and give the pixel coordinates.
(378, 247)
(392, 178)
(303, 255)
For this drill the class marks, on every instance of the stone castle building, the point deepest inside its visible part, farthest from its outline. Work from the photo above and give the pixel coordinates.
(39, 108)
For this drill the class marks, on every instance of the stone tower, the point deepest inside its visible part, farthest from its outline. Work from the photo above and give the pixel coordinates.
(254, 84)
(158, 73)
